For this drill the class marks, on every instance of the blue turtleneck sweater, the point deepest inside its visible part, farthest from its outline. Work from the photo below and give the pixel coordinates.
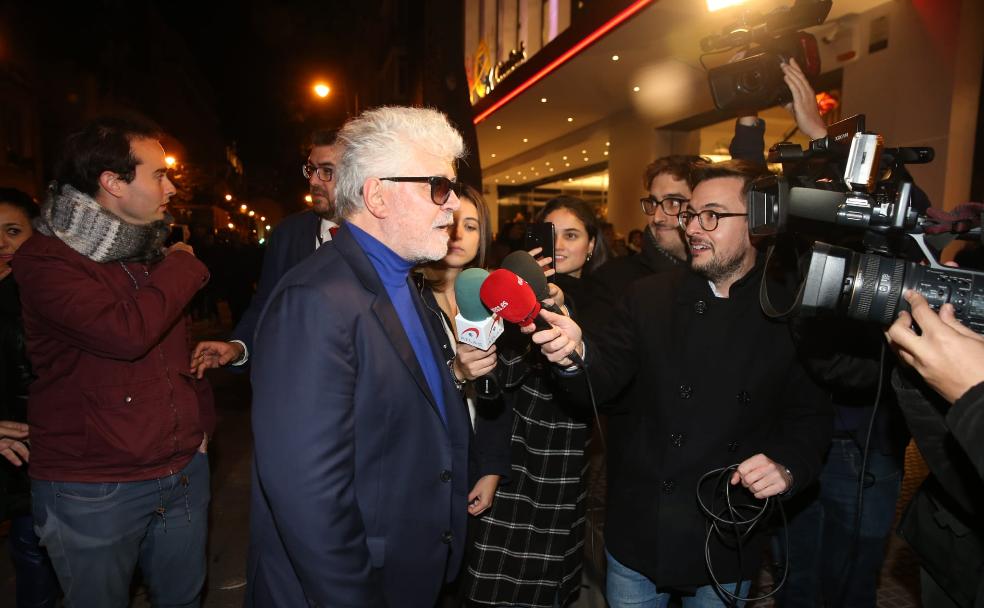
(394, 271)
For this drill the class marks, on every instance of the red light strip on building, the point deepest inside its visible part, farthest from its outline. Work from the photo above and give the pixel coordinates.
(588, 40)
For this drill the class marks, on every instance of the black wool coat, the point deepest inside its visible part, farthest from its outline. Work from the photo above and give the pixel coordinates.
(944, 522)
(710, 382)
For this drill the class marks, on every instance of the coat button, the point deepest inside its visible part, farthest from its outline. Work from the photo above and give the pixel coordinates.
(668, 486)
(686, 391)
(676, 439)
(744, 398)
(447, 537)
(445, 476)
(733, 446)
(700, 307)
(127, 399)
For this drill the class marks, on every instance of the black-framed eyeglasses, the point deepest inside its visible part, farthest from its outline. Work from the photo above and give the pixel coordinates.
(441, 187)
(708, 218)
(325, 174)
(672, 205)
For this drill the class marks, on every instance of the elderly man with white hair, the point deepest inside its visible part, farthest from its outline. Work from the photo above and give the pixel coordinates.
(360, 478)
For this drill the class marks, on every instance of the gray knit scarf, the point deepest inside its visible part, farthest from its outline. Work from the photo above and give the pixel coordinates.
(84, 225)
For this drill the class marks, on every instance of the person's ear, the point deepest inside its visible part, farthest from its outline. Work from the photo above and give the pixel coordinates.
(112, 183)
(374, 199)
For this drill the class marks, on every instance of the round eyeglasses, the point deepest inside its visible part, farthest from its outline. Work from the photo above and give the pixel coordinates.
(708, 218)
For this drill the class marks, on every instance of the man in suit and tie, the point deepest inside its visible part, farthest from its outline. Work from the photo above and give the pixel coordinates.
(361, 439)
(295, 238)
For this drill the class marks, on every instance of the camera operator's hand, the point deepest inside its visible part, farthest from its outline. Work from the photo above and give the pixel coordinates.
(804, 105)
(948, 355)
(960, 219)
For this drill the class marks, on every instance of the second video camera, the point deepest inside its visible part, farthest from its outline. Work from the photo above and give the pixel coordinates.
(849, 179)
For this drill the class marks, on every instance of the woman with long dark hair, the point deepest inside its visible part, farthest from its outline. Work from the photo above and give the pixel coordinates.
(468, 242)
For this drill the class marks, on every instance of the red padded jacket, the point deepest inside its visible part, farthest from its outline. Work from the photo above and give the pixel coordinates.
(114, 399)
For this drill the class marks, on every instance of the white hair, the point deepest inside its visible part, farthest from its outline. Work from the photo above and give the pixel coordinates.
(382, 142)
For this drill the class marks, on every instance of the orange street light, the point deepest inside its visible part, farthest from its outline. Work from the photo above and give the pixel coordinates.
(308, 199)
(170, 161)
(242, 208)
(228, 197)
(262, 218)
(230, 225)
(321, 90)
(252, 213)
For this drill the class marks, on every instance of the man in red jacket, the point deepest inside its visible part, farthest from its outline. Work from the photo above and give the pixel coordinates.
(118, 424)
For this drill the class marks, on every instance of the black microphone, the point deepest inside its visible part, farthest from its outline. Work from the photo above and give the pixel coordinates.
(523, 265)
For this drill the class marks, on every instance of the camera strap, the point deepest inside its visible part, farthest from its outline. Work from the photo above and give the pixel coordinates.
(764, 300)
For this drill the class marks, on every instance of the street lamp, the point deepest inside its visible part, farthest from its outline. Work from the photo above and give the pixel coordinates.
(170, 161)
(242, 208)
(252, 213)
(308, 199)
(321, 89)
(228, 197)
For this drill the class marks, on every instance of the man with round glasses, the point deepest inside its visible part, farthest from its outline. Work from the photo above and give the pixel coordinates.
(709, 381)
(295, 238)
(663, 248)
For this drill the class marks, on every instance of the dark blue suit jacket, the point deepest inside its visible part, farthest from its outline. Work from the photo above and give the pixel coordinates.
(293, 240)
(360, 490)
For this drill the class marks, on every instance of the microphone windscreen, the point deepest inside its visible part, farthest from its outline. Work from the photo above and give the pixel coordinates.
(506, 294)
(525, 266)
(466, 294)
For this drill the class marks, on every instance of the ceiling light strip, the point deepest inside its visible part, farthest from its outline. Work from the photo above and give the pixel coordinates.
(588, 40)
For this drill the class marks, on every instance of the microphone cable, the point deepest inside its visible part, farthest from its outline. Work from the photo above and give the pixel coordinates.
(848, 571)
(734, 522)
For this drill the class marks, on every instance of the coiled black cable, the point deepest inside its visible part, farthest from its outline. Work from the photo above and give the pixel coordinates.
(730, 525)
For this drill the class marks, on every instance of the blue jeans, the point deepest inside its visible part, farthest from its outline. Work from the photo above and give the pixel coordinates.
(626, 588)
(821, 528)
(36, 584)
(97, 533)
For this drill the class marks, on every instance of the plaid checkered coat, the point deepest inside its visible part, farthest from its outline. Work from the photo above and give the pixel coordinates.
(527, 550)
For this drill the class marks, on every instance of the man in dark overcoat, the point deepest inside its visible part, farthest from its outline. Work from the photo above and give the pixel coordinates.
(717, 383)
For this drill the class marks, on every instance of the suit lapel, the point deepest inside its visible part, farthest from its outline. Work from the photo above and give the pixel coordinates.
(306, 242)
(384, 310)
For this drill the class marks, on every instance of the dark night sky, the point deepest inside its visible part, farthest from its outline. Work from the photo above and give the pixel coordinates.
(211, 73)
(260, 59)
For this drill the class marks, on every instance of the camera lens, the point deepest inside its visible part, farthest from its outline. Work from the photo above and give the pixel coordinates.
(877, 287)
(868, 287)
(750, 81)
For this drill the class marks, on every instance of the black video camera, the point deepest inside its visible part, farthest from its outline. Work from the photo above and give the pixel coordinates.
(849, 179)
(756, 81)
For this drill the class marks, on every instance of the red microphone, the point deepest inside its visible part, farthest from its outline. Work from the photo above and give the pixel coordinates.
(509, 296)
(512, 298)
